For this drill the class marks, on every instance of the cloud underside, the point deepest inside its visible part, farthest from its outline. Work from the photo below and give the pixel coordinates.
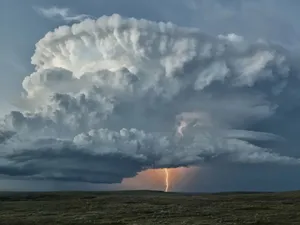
(112, 97)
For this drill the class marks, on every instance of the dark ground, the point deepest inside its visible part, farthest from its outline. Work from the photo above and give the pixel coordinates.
(145, 208)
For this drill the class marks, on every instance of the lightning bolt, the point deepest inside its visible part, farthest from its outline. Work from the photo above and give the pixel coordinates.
(166, 180)
(180, 129)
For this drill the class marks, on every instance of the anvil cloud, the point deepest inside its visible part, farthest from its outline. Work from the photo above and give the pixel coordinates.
(107, 96)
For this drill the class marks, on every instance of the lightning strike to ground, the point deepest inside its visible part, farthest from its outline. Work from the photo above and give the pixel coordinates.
(180, 129)
(166, 180)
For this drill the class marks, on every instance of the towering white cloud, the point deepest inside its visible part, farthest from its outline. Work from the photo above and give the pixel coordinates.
(108, 95)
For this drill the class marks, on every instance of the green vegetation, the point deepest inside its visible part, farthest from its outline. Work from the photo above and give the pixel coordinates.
(145, 208)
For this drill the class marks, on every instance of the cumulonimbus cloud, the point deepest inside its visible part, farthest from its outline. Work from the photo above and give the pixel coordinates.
(107, 96)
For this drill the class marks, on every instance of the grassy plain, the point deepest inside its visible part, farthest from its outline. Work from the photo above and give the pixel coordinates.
(149, 208)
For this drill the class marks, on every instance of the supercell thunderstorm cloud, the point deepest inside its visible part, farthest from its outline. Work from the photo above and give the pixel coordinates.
(115, 96)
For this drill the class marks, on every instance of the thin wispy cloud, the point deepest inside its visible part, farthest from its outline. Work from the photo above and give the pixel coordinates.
(60, 13)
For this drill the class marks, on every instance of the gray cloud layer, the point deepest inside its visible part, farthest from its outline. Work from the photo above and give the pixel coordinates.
(107, 97)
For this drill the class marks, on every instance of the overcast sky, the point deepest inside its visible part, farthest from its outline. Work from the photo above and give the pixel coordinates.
(24, 22)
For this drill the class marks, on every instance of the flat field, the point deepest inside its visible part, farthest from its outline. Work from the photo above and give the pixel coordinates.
(148, 208)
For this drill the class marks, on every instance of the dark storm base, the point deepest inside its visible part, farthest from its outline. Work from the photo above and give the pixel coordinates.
(145, 208)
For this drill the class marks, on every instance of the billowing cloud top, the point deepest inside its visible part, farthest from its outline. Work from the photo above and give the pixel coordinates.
(114, 96)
